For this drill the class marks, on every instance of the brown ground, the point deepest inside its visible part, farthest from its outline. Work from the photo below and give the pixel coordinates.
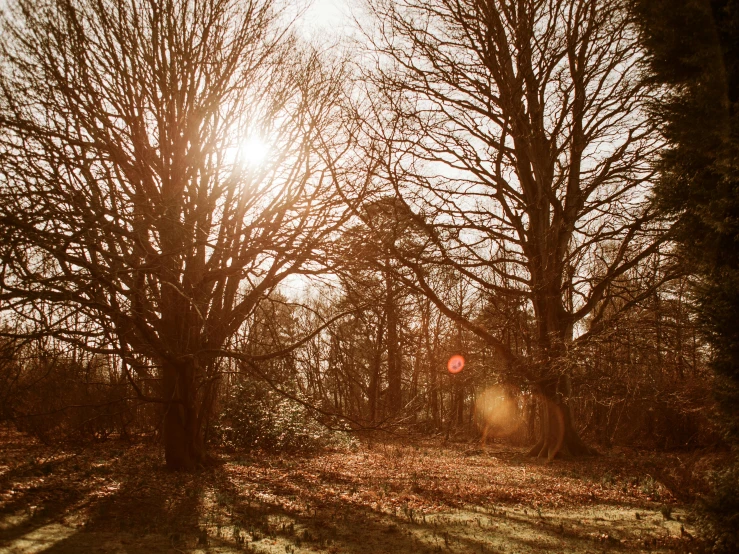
(373, 498)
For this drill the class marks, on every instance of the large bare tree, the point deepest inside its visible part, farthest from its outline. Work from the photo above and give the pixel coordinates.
(161, 173)
(515, 130)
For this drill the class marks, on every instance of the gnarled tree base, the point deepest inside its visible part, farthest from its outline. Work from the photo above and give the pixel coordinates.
(559, 439)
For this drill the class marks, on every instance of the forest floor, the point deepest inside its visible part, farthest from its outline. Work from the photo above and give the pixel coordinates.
(375, 497)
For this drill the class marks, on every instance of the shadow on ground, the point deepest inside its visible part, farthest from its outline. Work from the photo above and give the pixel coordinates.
(110, 501)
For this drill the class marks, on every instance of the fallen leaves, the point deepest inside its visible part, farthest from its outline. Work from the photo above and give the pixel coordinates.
(413, 494)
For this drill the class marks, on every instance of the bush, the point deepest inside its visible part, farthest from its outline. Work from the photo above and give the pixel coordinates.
(720, 512)
(255, 416)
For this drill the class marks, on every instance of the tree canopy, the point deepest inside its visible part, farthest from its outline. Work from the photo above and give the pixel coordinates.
(129, 195)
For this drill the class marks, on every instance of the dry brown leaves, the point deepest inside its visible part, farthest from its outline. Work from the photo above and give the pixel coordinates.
(286, 502)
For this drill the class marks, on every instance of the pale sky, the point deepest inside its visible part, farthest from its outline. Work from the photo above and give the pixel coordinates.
(329, 18)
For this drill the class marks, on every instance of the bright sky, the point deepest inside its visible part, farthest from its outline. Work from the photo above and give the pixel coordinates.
(329, 18)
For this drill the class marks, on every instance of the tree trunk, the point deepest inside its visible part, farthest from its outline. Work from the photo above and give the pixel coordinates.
(374, 384)
(184, 448)
(394, 367)
(435, 410)
(530, 419)
(459, 401)
(558, 435)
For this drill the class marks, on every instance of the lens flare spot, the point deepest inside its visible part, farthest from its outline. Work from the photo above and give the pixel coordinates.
(455, 364)
(497, 412)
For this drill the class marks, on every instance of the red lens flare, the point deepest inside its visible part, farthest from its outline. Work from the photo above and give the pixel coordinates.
(455, 364)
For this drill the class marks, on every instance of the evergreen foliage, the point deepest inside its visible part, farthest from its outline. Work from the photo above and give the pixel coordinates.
(694, 52)
(254, 416)
(693, 48)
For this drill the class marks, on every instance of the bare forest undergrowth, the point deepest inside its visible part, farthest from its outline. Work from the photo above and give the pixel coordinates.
(391, 496)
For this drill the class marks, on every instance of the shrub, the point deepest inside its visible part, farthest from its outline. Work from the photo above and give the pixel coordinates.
(255, 416)
(719, 512)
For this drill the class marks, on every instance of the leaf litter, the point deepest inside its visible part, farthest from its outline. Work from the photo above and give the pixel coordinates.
(416, 495)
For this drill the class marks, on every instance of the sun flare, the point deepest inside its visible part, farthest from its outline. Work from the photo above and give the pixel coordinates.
(253, 151)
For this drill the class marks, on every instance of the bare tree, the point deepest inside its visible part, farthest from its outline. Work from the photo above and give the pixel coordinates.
(160, 175)
(515, 130)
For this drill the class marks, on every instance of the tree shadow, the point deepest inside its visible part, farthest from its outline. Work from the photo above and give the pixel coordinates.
(132, 504)
(102, 503)
(339, 524)
(35, 496)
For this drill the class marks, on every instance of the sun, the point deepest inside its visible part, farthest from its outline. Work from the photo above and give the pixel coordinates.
(253, 151)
